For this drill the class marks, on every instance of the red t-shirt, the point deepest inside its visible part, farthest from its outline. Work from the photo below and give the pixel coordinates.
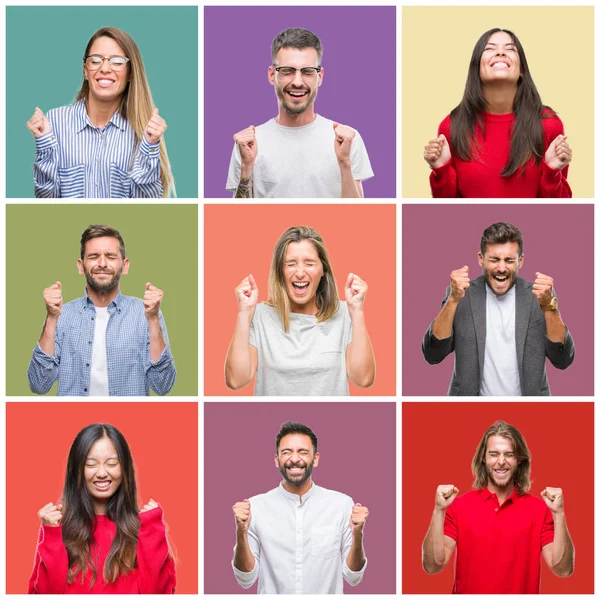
(498, 548)
(481, 177)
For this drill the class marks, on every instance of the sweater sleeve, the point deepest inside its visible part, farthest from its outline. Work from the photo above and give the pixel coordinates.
(443, 179)
(553, 183)
(51, 563)
(156, 567)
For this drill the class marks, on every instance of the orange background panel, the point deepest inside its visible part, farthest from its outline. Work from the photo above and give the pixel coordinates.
(163, 438)
(240, 239)
(438, 444)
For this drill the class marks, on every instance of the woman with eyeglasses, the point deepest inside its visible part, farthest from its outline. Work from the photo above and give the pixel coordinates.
(303, 341)
(96, 540)
(109, 143)
(500, 141)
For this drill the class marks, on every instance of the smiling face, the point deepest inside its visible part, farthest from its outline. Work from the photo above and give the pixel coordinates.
(501, 265)
(102, 472)
(106, 85)
(302, 272)
(296, 458)
(500, 60)
(102, 264)
(297, 94)
(500, 462)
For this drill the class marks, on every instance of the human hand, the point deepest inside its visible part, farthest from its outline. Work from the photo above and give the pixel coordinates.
(53, 299)
(51, 514)
(358, 518)
(460, 282)
(437, 152)
(356, 291)
(152, 299)
(242, 514)
(559, 153)
(553, 497)
(246, 142)
(543, 289)
(343, 141)
(151, 504)
(444, 496)
(155, 128)
(247, 295)
(38, 124)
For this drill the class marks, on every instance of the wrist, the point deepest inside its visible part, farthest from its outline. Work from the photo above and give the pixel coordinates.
(153, 318)
(439, 511)
(52, 318)
(246, 170)
(344, 163)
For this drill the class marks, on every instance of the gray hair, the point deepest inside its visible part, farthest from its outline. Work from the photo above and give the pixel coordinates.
(298, 38)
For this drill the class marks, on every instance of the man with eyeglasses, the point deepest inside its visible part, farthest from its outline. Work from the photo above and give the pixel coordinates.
(299, 538)
(298, 154)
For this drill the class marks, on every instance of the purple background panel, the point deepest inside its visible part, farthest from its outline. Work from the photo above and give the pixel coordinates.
(359, 85)
(357, 445)
(558, 240)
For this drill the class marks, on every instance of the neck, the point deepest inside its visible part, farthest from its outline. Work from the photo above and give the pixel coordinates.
(100, 507)
(305, 118)
(100, 298)
(310, 308)
(503, 492)
(100, 112)
(500, 97)
(299, 490)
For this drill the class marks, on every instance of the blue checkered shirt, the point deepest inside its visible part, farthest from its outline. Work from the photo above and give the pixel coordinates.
(130, 370)
(79, 160)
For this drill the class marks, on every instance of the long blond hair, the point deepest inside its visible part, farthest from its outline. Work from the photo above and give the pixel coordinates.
(136, 104)
(327, 296)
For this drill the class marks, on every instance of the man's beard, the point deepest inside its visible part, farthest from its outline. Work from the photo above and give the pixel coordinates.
(111, 284)
(291, 110)
(491, 477)
(298, 481)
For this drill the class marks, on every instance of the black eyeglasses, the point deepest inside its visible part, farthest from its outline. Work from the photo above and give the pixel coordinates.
(94, 61)
(307, 73)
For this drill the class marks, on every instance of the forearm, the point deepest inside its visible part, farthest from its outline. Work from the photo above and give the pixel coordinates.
(361, 361)
(443, 182)
(434, 559)
(238, 364)
(49, 574)
(45, 167)
(144, 176)
(243, 559)
(563, 553)
(555, 328)
(157, 340)
(156, 569)
(46, 340)
(349, 187)
(444, 322)
(245, 189)
(356, 557)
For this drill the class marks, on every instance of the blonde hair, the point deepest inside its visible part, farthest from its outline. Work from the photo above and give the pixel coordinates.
(136, 104)
(521, 478)
(327, 296)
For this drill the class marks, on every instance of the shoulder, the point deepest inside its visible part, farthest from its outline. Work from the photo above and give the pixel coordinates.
(535, 503)
(64, 112)
(466, 500)
(332, 496)
(527, 285)
(444, 126)
(265, 499)
(551, 123)
(268, 126)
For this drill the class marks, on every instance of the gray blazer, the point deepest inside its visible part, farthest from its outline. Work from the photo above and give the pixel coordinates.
(468, 342)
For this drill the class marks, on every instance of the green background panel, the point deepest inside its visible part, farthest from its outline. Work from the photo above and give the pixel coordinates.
(42, 247)
(44, 67)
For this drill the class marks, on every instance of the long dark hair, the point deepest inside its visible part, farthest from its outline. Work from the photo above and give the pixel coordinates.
(79, 514)
(527, 138)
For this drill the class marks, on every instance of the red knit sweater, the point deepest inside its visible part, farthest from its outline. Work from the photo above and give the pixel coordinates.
(481, 178)
(154, 574)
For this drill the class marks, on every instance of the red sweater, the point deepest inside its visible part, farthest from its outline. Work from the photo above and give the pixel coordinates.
(154, 574)
(481, 178)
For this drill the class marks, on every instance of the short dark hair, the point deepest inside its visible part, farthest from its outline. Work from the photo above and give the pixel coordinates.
(96, 231)
(298, 38)
(501, 233)
(295, 427)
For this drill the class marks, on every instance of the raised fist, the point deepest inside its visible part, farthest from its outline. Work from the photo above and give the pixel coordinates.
(356, 291)
(152, 300)
(437, 152)
(553, 497)
(444, 496)
(460, 282)
(155, 128)
(343, 141)
(358, 518)
(543, 289)
(51, 514)
(247, 295)
(246, 142)
(242, 514)
(38, 124)
(53, 299)
(559, 153)
(151, 504)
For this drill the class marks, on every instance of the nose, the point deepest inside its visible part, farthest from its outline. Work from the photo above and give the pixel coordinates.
(298, 81)
(102, 260)
(105, 66)
(300, 270)
(101, 472)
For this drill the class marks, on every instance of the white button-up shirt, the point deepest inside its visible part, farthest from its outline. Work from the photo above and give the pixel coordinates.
(300, 547)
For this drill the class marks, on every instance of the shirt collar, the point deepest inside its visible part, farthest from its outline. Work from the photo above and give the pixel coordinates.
(486, 495)
(82, 119)
(117, 301)
(295, 497)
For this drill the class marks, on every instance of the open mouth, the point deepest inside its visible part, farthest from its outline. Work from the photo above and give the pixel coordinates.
(500, 65)
(102, 486)
(501, 472)
(300, 287)
(295, 470)
(105, 83)
(297, 94)
(500, 279)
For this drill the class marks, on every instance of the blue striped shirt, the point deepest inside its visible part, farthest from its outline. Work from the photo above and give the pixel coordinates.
(79, 160)
(130, 370)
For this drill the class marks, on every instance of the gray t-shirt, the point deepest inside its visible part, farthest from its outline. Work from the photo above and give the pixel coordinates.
(299, 162)
(309, 360)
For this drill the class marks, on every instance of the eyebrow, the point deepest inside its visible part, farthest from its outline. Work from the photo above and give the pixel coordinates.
(96, 460)
(495, 44)
(299, 449)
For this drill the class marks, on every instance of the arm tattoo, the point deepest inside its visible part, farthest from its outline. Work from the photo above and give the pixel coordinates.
(244, 188)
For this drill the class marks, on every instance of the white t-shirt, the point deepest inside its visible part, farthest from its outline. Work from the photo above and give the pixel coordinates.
(99, 370)
(309, 360)
(500, 365)
(299, 162)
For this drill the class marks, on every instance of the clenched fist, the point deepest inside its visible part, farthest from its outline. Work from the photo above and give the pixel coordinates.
(543, 289)
(38, 124)
(343, 141)
(553, 497)
(559, 153)
(155, 128)
(356, 292)
(53, 299)
(358, 518)
(247, 295)
(51, 514)
(152, 300)
(460, 282)
(437, 152)
(242, 514)
(151, 504)
(444, 496)
(246, 142)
